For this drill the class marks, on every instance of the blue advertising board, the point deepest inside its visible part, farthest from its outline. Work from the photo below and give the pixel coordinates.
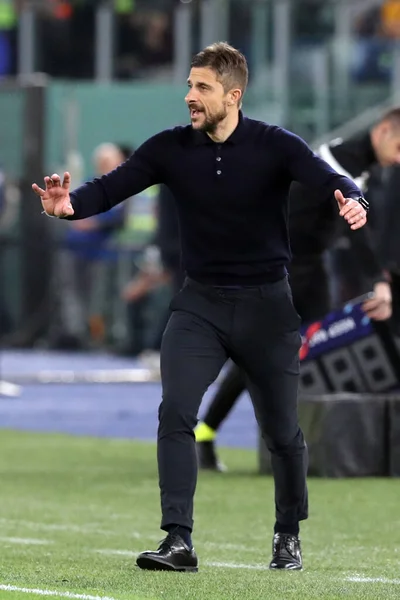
(346, 352)
(339, 328)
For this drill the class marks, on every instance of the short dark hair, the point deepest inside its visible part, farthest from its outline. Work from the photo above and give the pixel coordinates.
(392, 116)
(229, 64)
(126, 150)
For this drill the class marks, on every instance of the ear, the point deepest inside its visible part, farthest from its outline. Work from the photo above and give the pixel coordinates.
(234, 97)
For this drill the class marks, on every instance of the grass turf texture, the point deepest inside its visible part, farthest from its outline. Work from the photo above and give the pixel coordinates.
(74, 511)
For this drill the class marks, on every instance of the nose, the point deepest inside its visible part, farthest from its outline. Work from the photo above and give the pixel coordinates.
(190, 96)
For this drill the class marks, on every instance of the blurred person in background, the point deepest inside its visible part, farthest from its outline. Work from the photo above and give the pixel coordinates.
(145, 46)
(57, 38)
(314, 228)
(377, 30)
(388, 238)
(230, 176)
(161, 265)
(84, 248)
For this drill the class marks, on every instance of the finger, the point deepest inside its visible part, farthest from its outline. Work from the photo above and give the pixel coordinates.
(346, 208)
(350, 205)
(66, 181)
(359, 224)
(339, 197)
(381, 313)
(38, 190)
(370, 305)
(56, 180)
(49, 182)
(354, 215)
(375, 314)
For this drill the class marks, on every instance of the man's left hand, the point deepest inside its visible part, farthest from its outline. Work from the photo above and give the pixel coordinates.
(351, 210)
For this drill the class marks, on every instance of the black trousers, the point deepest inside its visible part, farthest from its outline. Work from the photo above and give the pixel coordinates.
(309, 283)
(258, 329)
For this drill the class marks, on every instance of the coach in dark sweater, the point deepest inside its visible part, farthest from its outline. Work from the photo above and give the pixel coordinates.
(230, 177)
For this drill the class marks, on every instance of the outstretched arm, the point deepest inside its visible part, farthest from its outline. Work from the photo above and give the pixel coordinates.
(142, 170)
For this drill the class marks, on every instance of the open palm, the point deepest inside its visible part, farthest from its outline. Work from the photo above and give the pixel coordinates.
(55, 198)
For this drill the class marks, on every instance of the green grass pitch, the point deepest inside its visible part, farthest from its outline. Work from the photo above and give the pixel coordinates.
(75, 511)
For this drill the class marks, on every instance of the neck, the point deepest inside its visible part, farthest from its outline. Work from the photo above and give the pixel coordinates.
(225, 128)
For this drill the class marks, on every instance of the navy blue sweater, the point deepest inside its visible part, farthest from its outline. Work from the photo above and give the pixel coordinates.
(232, 198)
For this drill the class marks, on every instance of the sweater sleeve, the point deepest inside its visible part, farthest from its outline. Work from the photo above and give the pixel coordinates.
(141, 171)
(309, 169)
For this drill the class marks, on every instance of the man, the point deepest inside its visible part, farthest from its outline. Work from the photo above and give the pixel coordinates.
(313, 229)
(85, 249)
(230, 177)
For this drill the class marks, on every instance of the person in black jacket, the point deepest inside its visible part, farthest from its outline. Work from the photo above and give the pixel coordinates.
(314, 227)
(230, 177)
(388, 239)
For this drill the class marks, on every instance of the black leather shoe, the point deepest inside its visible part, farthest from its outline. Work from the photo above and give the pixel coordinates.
(286, 552)
(207, 457)
(172, 555)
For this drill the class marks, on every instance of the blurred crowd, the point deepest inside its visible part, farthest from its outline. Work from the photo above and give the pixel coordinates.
(65, 34)
(375, 34)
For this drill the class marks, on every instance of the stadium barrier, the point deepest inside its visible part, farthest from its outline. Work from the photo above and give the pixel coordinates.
(349, 402)
(348, 435)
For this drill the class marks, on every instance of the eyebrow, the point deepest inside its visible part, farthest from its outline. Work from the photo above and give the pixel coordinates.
(202, 83)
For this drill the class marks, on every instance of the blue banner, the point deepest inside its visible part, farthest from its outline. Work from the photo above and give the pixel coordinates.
(338, 329)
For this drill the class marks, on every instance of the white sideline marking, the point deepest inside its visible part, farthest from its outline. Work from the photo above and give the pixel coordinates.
(133, 554)
(26, 541)
(373, 580)
(10, 389)
(14, 588)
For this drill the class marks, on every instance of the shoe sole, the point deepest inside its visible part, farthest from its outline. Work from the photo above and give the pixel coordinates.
(150, 564)
(285, 568)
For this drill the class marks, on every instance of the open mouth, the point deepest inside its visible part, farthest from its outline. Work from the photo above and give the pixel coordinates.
(194, 112)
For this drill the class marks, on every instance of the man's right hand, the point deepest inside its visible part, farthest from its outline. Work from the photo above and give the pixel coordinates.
(379, 307)
(55, 198)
